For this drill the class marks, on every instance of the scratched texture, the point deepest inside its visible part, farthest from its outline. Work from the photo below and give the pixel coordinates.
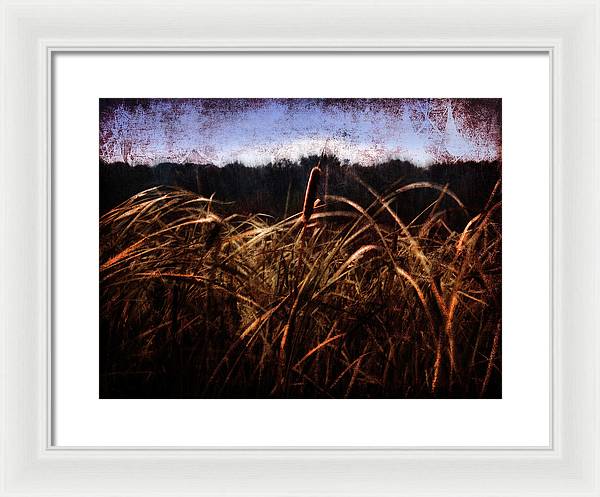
(259, 131)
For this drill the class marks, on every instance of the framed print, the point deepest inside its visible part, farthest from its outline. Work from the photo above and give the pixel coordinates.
(350, 241)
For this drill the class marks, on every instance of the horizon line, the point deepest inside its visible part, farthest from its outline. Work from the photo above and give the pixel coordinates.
(299, 163)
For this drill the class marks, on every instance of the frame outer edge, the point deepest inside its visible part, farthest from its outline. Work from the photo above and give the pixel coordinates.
(5, 270)
(4, 296)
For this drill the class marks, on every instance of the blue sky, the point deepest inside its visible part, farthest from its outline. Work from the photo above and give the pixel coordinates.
(259, 131)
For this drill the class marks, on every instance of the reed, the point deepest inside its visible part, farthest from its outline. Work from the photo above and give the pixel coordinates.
(195, 303)
(310, 197)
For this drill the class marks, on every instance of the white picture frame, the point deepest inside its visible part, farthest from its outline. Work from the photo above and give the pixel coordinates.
(568, 31)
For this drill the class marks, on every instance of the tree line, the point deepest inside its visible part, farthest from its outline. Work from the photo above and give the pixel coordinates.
(277, 189)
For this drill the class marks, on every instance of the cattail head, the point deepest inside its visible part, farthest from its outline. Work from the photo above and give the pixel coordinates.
(311, 194)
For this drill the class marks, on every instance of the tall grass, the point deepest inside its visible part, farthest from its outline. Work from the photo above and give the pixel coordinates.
(340, 300)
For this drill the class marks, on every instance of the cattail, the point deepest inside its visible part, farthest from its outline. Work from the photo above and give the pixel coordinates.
(311, 194)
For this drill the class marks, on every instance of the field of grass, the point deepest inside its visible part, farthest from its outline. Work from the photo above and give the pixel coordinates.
(340, 300)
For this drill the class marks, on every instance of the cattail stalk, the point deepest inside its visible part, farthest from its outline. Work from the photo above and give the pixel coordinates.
(311, 194)
(309, 206)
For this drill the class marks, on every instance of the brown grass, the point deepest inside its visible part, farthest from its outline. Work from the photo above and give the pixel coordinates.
(361, 304)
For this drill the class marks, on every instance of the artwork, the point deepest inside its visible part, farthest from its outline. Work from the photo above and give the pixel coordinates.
(300, 248)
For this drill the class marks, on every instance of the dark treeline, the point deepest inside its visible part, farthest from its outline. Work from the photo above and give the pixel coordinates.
(278, 189)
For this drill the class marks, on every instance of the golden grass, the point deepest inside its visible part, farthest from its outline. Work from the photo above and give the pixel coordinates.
(357, 303)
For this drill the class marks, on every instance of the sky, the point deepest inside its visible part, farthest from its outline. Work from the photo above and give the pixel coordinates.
(260, 131)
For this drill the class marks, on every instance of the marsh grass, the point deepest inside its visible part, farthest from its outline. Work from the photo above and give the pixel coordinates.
(340, 300)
